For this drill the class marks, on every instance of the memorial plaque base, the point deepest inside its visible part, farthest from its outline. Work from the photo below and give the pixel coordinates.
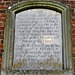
(36, 73)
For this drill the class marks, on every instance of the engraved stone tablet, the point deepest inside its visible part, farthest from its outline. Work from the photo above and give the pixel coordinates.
(38, 40)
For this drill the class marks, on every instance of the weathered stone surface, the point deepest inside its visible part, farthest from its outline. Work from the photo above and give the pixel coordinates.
(9, 48)
(38, 40)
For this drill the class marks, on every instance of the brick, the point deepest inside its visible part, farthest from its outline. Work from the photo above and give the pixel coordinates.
(73, 22)
(2, 11)
(73, 18)
(1, 41)
(1, 28)
(2, 15)
(74, 69)
(73, 45)
(1, 23)
(73, 2)
(74, 64)
(73, 35)
(8, 3)
(1, 36)
(73, 5)
(1, 32)
(72, 10)
(2, 3)
(73, 54)
(1, 45)
(73, 49)
(3, 7)
(0, 65)
(0, 60)
(2, 19)
(73, 31)
(73, 27)
(74, 59)
(73, 14)
(1, 50)
(73, 40)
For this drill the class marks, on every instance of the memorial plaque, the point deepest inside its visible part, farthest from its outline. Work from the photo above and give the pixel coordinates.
(38, 40)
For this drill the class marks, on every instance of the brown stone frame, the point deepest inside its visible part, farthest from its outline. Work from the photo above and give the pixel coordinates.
(9, 34)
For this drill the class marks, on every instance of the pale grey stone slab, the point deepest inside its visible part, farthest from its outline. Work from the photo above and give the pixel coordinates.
(9, 37)
(38, 40)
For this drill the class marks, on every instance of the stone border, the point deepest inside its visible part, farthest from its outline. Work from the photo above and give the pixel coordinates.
(66, 31)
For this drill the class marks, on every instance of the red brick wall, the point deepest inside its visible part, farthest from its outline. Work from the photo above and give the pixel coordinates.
(72, 5)
(4, 4)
